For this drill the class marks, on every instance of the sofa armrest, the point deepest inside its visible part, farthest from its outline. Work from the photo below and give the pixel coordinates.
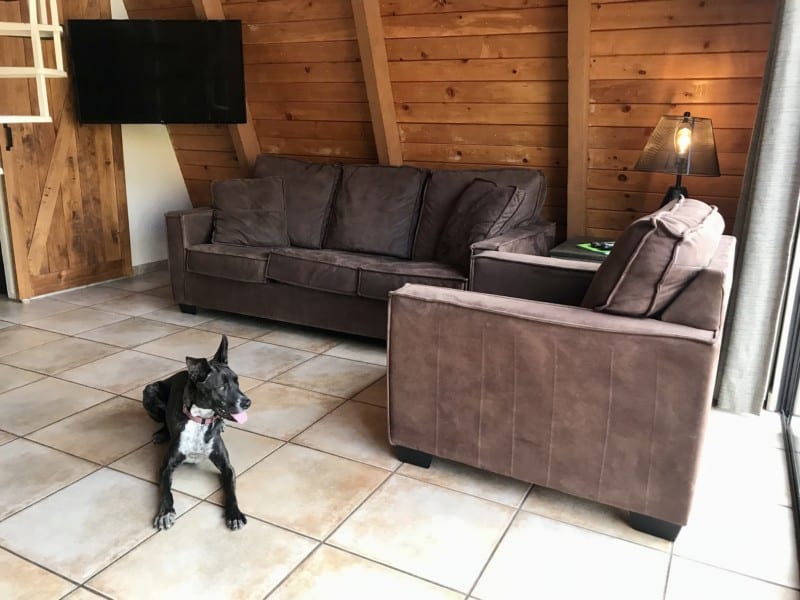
(185, 228)
(536, 237)
(538, 278)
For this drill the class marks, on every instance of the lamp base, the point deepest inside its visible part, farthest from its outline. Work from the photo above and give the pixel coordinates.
(674, 193)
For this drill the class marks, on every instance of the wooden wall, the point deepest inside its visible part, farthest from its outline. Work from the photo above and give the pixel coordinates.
(656, 57)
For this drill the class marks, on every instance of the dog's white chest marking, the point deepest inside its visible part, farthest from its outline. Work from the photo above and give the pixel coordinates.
(192, 443)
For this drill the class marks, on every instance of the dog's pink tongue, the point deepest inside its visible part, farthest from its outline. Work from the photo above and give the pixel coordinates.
(240, 417)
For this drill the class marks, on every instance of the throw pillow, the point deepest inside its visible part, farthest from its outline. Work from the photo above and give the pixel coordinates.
(483, 210)
(655, 258)
(249, 212)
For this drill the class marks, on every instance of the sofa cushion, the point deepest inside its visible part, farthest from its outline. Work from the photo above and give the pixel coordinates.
(326, 270)
(249, 212)
(376, 281)
(655, 258)
(376, 210)
(446, 186)
(240, 263)
(310, 188)
(483, 210)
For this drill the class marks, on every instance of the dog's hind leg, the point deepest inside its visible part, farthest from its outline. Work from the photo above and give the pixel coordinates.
(154, 399)
(234, 517)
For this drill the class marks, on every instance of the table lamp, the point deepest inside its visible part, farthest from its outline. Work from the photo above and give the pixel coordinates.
(683, 146)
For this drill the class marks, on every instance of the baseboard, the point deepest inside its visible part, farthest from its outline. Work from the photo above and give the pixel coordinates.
(158, 265)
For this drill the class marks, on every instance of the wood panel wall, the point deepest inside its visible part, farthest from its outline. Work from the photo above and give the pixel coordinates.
(657, 57)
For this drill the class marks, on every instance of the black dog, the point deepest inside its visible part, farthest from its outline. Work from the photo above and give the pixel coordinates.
(192, 405)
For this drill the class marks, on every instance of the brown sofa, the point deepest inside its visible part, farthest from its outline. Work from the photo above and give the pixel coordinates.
(521, 380)
(356, 232)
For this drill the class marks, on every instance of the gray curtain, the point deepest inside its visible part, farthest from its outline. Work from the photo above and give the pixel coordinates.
(766, 223)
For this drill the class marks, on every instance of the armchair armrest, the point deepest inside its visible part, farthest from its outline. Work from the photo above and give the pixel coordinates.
(185, 228)
(534, 237)
(538, 278)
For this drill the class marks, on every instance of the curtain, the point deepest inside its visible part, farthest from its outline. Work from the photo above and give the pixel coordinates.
(766, 224)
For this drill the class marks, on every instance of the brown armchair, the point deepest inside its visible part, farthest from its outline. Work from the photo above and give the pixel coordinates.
(515, 378)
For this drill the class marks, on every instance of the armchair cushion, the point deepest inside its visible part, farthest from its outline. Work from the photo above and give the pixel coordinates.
(655, 258)
(249, 212)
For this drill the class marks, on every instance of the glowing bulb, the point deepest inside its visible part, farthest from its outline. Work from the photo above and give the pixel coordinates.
(683, 138)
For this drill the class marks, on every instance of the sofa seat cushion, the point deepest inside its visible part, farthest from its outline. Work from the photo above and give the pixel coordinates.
(326, 270)
(376, 281)
(655, 258)
(240, 263)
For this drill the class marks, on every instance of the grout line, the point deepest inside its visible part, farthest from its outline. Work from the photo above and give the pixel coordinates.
(666, 577)
(41, 566)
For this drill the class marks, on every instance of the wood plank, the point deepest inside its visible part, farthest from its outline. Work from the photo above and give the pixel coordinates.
(202, 142)
(608, 234)
(405, 7)
(90, 188)
(199, 192)
(372, 47)
(73, 207)
(722, 65)
(81, 275)
(498, 114)
(313, 130)
(297, 72)
(206, 157)
(502, 155)
(118, 165)
(361, 149)
(531, 20)
(339, 51)
(108, 195)
(634, 138)
(489, 69)
(698, 187)
(683, 40)
(282, 11)
(642, 202)
(723, 116)
(619, 220)
(506, 92)
(326, 30)
(176, 13)
(211, 173)
(668, 91)
(308, 92)
(679, 13)
(729, 164)
(209, 129)
(578, 120)
(312, 111)
(155, 4)
(549, 136)
(513, 45)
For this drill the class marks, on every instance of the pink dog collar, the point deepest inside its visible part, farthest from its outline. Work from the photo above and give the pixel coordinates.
(201, 420)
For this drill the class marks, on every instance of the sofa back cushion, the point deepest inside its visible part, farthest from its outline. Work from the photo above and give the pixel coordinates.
(376, 210)
(483, 210)
(655, 258)
(309, 189)
(249, 212)
(446, 186)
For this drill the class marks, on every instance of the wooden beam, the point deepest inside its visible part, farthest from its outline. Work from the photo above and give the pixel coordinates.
(243, 135)
(578, 56)
(372, 48)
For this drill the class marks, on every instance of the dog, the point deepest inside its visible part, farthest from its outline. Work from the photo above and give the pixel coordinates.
(192, 405)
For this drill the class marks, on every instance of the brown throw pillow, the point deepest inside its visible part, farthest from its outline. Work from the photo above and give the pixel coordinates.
(483, 210)
(655, 258)
(249, 212)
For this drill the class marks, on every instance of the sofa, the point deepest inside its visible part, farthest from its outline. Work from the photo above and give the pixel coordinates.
(594, 380)
(324, 244)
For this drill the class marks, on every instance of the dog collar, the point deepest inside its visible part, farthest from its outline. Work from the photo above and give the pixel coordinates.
(201, 420)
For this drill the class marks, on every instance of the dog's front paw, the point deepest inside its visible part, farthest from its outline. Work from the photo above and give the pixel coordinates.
(164, 520)
(235, 519)
(161, 436)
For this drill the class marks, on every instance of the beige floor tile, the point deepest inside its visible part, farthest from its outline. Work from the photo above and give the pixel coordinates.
(374, 394)
(88, 525)
(758, 542)
(11, 377)
(199, 479)
(165, 291)
(470, 480)
(281, 411)
(428, 531)
(130, 333)
(123, 371)
(54, 357)
(333, 376)
(332, 573)
(198, 559)
(562, 561)
(4, 324)
(21, 580)
(43, 402)
(189, 342)
(76, 321)
(45, 471)
(83, 594)
(354, 430)
(173, 314)
(238, 326)
(92, 295)
(17, 339)
(141, 283)
(589, 515)
(304, 490)
(264, 361)
(302, 338)
(6, 437)
(102, 433)
(136, 305)
(689, 580)
(23, 312)
(369, 351)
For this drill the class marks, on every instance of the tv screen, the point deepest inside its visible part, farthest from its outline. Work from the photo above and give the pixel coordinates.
(157, 71)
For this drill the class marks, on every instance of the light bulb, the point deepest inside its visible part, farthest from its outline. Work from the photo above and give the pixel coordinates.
(683, 139)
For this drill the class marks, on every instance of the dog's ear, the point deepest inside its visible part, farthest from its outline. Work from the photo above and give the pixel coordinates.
(198, 368)
(222, 352)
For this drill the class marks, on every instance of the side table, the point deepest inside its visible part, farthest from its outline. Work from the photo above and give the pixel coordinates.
(570, 250)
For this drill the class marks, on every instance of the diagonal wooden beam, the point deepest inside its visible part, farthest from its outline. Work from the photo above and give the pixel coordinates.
(578, 22)
(372, 48)
(243, 135)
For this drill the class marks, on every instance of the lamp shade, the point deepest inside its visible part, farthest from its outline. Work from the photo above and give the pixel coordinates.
(694, 135)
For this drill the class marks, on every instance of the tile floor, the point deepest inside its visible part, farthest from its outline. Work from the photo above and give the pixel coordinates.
(332, 513)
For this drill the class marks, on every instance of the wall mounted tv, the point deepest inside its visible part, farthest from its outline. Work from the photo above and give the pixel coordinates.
(144, 71)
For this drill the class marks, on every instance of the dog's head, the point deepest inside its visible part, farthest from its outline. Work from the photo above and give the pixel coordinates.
(217, 385)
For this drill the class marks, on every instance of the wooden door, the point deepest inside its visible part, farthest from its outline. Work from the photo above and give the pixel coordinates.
(65, 185)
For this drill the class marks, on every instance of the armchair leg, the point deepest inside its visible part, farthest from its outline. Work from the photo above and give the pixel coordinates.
(189, 309)
(657, 527)
(413, 457)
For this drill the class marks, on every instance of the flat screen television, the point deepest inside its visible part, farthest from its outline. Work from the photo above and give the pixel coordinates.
(157, 71)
